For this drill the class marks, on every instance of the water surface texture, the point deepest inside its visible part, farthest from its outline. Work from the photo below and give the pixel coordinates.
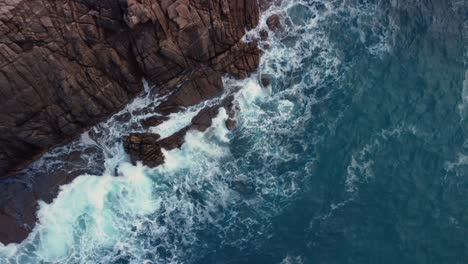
(357, 152)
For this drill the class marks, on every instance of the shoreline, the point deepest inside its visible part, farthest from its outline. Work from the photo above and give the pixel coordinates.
(17, 219)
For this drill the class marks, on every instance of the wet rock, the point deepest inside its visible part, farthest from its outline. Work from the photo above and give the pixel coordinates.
(231, 109)
(192, 88)
(147, 147)
(228, 104)
(265, 80)
(203, 120)
(68, 65)
(11, 231)
(265, 4)
(274, 23)
(174, 141)
(154, 121)
(19, 195)
(144, 147)
(231, 124)
(200, 122)
(263, 35)
(123, 118)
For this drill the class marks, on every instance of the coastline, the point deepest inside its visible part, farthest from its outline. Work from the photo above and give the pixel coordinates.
(198, 81)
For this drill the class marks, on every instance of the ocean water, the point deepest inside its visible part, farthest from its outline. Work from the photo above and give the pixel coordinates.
(355, 153)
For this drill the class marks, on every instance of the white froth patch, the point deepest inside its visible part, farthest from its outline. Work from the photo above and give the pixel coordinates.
(457, 165)
(252, 91)
(95, 212)
(464, 98)
(247, 98)
(360, 168)
(175, 123)
(291, 259)
(199, 145)
(9, 250)
(285, 107)
(88, 205)
(86, 140)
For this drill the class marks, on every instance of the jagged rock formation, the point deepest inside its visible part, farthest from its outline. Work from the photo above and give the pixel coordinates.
(67, 65)
(147, 147)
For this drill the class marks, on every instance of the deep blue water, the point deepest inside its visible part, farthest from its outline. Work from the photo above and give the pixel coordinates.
(357, 152)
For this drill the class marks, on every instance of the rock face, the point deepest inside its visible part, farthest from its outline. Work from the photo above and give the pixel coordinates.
(145, 148)
(67, 65)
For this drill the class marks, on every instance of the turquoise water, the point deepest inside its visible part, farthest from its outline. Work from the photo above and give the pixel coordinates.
(356, 153)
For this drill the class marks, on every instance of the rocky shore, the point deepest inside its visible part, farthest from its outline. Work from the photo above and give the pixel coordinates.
(68, 65)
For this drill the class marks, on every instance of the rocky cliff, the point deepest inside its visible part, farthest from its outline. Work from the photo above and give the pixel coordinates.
(67, 65)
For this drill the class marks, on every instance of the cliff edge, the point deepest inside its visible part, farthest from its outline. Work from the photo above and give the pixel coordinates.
(68, 65)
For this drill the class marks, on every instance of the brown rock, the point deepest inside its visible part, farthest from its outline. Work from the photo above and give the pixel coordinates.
(67, 65)
(19, 195)
(263, 35)
(231, 124)
(265, 80)
(274, 23)
(145, 148)
(154, 121)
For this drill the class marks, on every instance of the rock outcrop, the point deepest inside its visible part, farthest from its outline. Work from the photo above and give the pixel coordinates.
(67, 65)
(147, 147)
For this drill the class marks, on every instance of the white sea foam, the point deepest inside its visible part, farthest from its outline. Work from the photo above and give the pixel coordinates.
(292, 260)
(175, 123)
(464, 99)
(459, 166)
(96, 212)
(359, 169)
